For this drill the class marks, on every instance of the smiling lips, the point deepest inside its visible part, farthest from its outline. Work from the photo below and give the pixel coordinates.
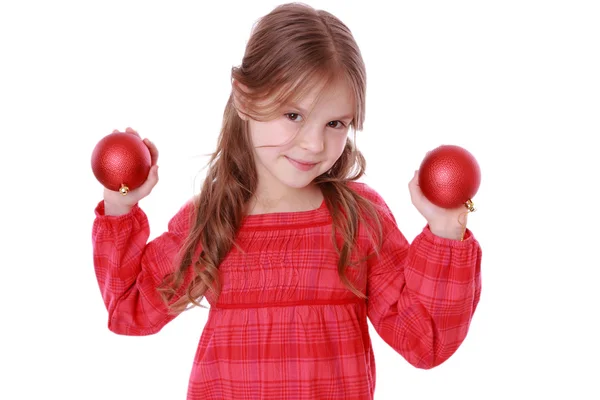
(302, 166)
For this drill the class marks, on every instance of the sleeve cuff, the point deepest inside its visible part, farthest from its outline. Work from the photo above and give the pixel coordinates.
(467, 241)
(99, 211)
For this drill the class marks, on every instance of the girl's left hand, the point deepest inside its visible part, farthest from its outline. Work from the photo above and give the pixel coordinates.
(442, 221)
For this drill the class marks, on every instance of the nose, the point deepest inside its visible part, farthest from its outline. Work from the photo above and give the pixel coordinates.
(311, 138)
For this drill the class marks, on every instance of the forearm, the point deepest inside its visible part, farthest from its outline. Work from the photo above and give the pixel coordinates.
(126, 271)
(118, 243)
(129, 269)
(444, 278)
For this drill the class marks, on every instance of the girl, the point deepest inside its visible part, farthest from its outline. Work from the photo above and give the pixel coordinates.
(291, 252)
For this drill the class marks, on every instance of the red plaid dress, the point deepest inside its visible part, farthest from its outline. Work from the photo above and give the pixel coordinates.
(285, 327)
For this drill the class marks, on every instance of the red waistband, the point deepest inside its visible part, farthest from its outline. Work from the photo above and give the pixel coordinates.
(317, 302)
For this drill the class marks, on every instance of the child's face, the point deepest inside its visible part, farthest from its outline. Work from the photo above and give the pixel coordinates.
(320, 139)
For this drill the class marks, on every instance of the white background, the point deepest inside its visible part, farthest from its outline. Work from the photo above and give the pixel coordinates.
(515, 82)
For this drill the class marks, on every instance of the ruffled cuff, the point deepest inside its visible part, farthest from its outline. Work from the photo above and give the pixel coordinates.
(468, 239)
(119, 226)
(444, 269)
(99, 211)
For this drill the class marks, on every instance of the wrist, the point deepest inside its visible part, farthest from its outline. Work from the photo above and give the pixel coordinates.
(448, 229)
(454, 234)
(116, 209)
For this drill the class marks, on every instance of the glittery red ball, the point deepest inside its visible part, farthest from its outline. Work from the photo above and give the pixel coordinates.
(121, 159)
(449, 176)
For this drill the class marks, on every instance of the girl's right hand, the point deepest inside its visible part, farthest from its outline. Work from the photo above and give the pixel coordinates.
(117, 204)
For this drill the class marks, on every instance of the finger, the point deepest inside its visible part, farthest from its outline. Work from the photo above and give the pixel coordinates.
(132, 131)
(414, 178)
(115, 131)
(153, 150)
(412, 193)
(415, 192)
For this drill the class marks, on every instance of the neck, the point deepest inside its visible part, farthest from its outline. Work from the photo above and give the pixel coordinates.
(304, 199)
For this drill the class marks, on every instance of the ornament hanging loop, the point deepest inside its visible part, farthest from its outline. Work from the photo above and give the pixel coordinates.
(470, 206)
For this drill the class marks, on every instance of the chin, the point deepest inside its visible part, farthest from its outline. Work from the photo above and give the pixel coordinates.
(298, 183)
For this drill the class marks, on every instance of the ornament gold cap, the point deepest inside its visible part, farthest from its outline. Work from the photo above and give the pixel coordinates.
(470, 205)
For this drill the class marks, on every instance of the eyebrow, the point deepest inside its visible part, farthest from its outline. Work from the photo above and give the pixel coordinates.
(294, 105)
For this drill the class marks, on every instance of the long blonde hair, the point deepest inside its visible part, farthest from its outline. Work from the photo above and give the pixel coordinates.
(289, 50)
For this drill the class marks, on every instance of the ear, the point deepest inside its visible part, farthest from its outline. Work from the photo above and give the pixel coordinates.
(237, 89)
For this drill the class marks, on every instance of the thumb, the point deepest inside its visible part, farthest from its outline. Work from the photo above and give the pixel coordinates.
(414, 189)
(415, 179)
(153, 175)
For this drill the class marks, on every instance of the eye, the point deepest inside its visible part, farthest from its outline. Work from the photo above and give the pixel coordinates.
(339, 125)
(293, 116)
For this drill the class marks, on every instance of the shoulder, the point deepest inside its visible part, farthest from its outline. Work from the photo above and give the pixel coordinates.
(184, 217)
(367, 192)
(370, 194)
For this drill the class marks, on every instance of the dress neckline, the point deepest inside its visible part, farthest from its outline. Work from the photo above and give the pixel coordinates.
(287, 219)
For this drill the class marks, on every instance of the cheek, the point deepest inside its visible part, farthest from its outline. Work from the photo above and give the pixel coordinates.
(267, 154)
(336, 144)
(273, 133)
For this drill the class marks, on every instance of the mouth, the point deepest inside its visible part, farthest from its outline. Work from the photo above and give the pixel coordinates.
(301, 164)
(302, 161)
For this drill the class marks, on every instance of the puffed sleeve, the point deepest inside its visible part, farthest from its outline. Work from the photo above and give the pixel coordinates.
(129, 268)
(422, 295)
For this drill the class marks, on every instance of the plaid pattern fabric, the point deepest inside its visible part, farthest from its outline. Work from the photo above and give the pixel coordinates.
(285, 327)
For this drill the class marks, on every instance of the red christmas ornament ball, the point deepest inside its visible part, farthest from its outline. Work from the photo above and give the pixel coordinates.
(121, 162)
(449, 176)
